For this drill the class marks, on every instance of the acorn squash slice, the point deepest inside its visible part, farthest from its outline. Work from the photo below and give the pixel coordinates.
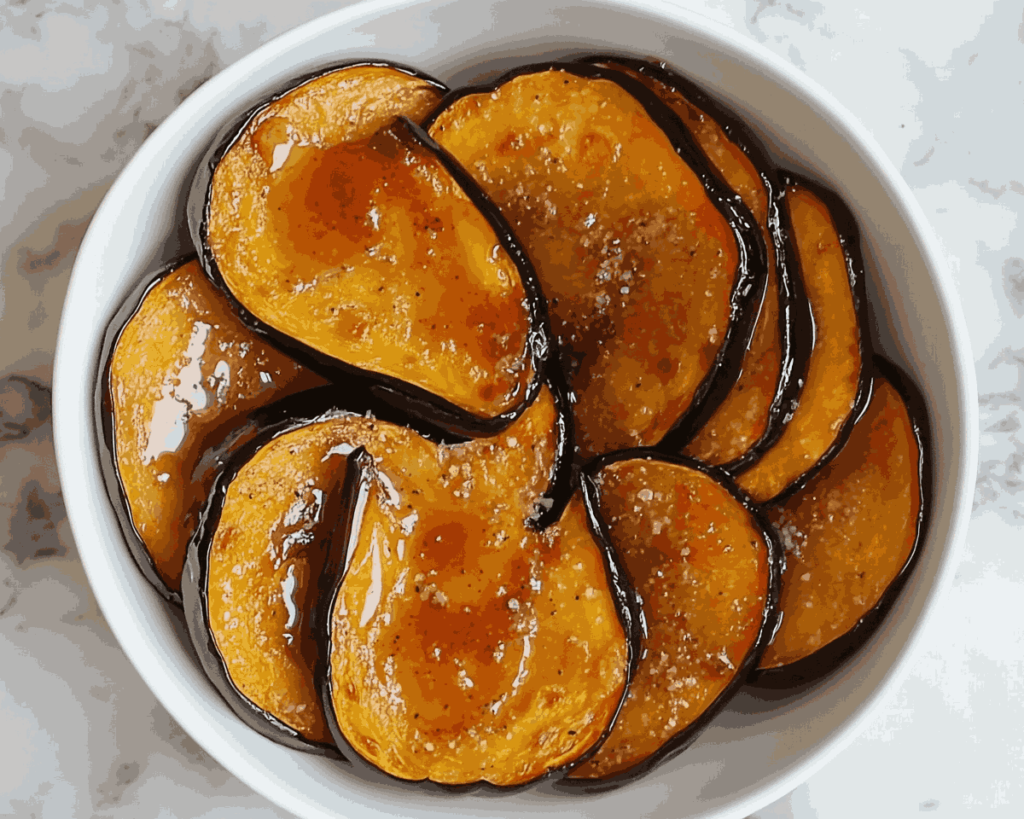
(348, 238)
(651, 267)
(851, 536)
(466, 646)
(750, 416)
(267, 550)
(705, 568)
(254, 572)
(182, 378)
(826, 256)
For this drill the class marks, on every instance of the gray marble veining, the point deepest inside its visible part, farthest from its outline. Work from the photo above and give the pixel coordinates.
(81, 86)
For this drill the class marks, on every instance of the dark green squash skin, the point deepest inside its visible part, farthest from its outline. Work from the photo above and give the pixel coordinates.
(752, 273)
(410, 398)
(832, 655)
(793, 318)
(357, 479)
(770, 621)
(849, 240)
(103, 419)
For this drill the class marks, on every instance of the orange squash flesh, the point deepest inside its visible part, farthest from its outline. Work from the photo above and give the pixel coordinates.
(741, 420)
(703, 569)
(184, 374)
(833, 379)
(267, 552)
(465, 646)
(850, 532)
(636, 262)
(265, 564)
(359, 244)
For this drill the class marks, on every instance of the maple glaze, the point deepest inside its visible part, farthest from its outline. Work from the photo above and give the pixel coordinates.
(635, 259)
(265, 563)
(742, 419)
(834, 377)
(184, 376)
(850, 532)
(701, 565)
(465, 645)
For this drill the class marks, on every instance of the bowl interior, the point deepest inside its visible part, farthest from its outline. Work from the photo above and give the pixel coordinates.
(758, 748)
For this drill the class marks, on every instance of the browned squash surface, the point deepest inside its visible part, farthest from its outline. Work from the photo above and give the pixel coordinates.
(833, 374)
(465, 646)
(742, 418)
(332, 224)
(637, 263)
(184, 373)
(700, 563)
(849, 532)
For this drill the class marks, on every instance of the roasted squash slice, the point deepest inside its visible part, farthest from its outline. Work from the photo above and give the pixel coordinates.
(254, 577)
(705, 568)
(826, 257)
(465, 645)
(750, 416)
(267, 549)
(651, 267)
(851, 536)
(182, 377)
(348, 238)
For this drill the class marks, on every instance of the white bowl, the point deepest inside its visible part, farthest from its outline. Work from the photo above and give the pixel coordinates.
(756, 750)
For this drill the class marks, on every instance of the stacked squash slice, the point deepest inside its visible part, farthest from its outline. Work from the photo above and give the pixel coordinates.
(503, 433)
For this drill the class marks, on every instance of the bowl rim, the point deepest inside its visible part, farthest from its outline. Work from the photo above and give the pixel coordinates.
(71, 430)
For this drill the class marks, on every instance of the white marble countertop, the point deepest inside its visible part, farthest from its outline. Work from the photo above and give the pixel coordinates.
(81, 86)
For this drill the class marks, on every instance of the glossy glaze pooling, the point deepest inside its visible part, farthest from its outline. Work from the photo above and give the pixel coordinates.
(330, 432)
(183, 377)
(466, 646)
(834, 380)
(370, 252)
(265, 568)
(704, 568)
(633, 247)
(851, 532)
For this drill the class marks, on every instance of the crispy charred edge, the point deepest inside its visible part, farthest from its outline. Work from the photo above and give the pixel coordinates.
(849, 240)
(831, 656)
(769, 621)
(359, 474)
(103, 424)
(412, 399)
(359, 471)
(798, 333)
(747, 292)
(787, 387)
